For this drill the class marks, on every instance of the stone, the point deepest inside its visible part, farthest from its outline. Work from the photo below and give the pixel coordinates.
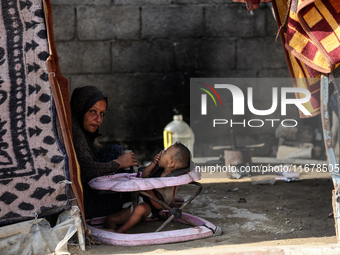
(81, 2)
(172, 21)
(260, 53)
(103, 22)
(142, 2)
(84, 57)
(234, 21)
(64, 23)
(216, 54)
(142, 56)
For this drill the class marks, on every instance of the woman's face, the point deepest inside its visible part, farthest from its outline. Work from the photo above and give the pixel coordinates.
(94, 117)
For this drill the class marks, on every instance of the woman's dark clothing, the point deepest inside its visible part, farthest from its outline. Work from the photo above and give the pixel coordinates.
(93, 162)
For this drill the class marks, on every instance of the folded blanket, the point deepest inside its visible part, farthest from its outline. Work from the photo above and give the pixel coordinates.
(313, 34)
(310, 33)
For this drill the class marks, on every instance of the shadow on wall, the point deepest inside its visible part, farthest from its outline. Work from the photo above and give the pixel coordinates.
(144, 54)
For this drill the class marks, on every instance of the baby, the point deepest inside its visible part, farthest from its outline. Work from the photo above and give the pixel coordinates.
(165, 163)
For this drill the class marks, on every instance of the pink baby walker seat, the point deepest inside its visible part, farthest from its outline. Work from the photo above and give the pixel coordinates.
(130, 182)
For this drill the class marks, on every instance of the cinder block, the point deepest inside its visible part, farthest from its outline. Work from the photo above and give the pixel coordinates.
(260, 53)
(142, 2)
(64, 21)
(186, 54)
(216, 54)
(119, 88)
(164, 89)
(102, 22)
(192, 1)
(172, 21)
(210, 2)
(135, 90)
(84, 57)
(142, 56)
(234, 21)
(136, 123)
(81, 2)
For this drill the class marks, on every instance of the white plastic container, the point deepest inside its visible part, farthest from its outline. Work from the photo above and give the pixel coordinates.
(178, 131)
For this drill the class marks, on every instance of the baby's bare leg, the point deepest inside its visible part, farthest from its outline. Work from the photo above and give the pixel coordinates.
(118, 218)
(142, 210)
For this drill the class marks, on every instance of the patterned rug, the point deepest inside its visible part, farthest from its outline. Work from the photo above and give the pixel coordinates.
(33, 164)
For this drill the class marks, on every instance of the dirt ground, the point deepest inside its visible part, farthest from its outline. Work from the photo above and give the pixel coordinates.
(283, 213)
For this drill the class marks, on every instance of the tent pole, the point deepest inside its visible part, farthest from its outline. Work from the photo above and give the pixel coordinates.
(333, 166)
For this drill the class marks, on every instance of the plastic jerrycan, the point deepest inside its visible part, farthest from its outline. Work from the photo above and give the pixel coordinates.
(178, 131)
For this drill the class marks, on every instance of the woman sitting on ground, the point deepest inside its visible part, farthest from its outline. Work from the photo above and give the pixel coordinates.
(88, 107)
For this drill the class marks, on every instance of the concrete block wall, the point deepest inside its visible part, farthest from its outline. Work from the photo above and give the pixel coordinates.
(142, 54)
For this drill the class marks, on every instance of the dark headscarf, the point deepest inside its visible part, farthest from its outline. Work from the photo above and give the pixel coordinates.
(83, 99)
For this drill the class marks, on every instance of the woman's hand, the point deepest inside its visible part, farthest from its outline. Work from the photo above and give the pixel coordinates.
(127, 160)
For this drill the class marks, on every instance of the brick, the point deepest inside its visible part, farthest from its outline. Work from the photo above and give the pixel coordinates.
(142, 56)
(135, 122)
(202, 2)
(164, 89)
(101, 22)
(203, 56)
(210, 56)
(119, 88)
(80, 2)
(216, 55)
(135, 90)
(84, 57)
(260, 53)
(172, 21)
(234, 21)
(64, 21)
(142, 2)
(186, 54)
(192, 1)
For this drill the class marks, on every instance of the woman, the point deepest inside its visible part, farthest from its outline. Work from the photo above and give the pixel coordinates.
(88, 107)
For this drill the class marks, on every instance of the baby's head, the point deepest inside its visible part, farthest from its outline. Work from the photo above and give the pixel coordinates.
(177, 156)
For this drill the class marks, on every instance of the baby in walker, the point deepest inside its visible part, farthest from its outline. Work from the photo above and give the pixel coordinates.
(171, 162)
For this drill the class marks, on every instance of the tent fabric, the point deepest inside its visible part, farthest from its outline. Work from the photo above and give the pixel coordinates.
(313, 34)
(299, 70)
(60, 91)
(33, 164)
(37, 166)
(310, 34)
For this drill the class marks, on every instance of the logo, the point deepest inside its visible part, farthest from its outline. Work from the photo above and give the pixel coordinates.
(238, 106)
(204, 98)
